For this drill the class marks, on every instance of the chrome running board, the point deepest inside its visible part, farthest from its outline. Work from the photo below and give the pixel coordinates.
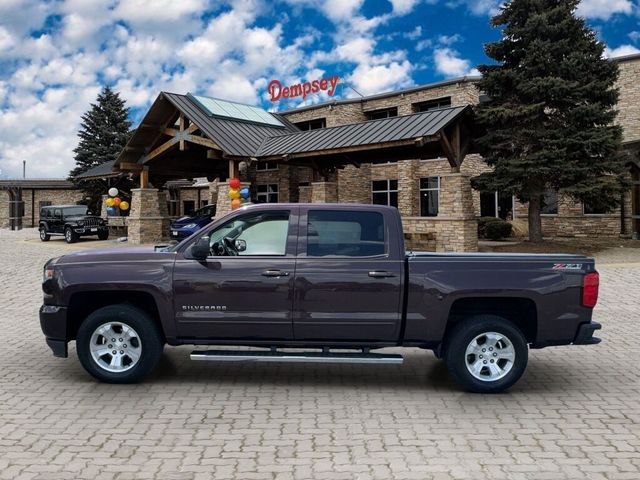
(294, 357)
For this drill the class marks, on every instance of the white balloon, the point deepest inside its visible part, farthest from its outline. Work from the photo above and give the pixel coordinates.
(113, 191)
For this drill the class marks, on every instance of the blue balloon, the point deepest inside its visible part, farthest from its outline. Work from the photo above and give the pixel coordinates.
(244, 193)
(111, 210)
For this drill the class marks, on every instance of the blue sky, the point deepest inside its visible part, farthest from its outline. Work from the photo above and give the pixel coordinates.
(55, 55)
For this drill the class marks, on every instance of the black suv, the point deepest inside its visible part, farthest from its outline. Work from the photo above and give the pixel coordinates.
(72, 221)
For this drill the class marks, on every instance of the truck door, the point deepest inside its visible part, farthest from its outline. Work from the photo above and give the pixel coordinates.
(348, 276)
(244, 289)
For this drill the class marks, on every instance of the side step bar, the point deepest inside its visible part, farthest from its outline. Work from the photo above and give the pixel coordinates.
(294, 357)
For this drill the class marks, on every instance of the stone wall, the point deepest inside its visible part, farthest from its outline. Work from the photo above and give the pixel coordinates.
(629, 101)
(148, 221)
(324, 192)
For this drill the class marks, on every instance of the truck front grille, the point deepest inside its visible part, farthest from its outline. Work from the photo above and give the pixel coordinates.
(92, 222)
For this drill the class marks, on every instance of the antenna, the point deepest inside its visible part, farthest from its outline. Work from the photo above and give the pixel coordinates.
(349, 85)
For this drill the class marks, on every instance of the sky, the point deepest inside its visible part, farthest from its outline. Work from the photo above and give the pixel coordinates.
(56, 55)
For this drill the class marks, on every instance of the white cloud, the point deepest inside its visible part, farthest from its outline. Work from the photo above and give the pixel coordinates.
(621, 51)
(477, 7)
(402, 7)
(448, 62)
(369, 79)
(604, 9)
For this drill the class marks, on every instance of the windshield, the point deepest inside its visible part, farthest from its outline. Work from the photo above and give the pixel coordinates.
(205, 212)
(75, 211)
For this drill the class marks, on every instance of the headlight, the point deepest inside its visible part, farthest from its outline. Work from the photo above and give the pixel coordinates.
(48, 274)
(191, 225)
(80, 223)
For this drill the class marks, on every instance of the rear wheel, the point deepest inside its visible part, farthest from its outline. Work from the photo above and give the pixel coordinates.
(486, 354)
(70, 236)
(44, 236)
(119, 344)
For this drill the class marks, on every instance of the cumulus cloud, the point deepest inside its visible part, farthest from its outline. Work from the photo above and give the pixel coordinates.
(449, 63)
(621, 51)
(604, 9)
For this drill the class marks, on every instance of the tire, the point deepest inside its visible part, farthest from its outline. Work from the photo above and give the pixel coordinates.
(477, 336)
(103, 235)
(138, 344)
(70, 236)
(44, 236)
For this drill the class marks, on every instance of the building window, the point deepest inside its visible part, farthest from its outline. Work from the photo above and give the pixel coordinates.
(312, 124)
(266, 166)
(429, 196)
(497, 204)
(384, 192)
(594, 208)
(382, 113)
(432, 104)
(550, 202)
(267, 193)
(188, 207)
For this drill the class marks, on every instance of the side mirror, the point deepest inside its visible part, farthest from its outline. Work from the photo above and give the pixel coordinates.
(241, 245)
(200, 250)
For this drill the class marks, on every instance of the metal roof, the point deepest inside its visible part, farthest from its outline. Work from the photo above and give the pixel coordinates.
(384, 130)
(103, 170)
(37, 183)
(235, 137)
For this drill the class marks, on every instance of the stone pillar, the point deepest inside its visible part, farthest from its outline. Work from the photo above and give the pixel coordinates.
(213, 192)
(456, 227)
(324, 192)
(354, 184)
(148, 221)
(304, 194)
(408, 188)
(103, 209)
(5, 198)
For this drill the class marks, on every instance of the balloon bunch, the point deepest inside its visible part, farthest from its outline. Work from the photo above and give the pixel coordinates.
(237, 195)
(115, 203)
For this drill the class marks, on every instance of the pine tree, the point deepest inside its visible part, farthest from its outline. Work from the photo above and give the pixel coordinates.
(548, 123)
(103, 134)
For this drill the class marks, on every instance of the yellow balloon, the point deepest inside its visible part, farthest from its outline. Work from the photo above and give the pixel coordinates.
(124, 205)
(234, 193)
(109, 202)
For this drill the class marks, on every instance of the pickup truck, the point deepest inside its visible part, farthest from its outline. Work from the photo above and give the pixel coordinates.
(315, 283)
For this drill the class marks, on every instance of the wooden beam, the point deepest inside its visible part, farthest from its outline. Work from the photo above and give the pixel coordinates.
(233, 169)
(160, 150)
(205, 142)
(144, 178)
(448, 151)
(182, 123)
(130, 166)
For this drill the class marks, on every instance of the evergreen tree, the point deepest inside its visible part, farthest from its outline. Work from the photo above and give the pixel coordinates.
(548, 123)
(103, 134)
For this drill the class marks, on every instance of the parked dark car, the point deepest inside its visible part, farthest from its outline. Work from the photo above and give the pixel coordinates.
(326, 278)
(186, 226)
(72, 221)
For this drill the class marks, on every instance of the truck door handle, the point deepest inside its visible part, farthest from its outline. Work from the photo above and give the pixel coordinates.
(275, 273)
(381, 274)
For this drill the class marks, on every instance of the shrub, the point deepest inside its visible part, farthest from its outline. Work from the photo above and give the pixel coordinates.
(498, 230)
(482, 225)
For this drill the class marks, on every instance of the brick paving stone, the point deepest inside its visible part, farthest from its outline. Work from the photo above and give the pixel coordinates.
(574, 415)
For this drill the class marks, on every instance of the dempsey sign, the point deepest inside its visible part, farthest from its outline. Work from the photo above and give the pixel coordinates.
(277, 91)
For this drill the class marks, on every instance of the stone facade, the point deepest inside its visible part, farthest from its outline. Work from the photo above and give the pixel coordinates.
(629, 101)
(148, 221)
(32, 199)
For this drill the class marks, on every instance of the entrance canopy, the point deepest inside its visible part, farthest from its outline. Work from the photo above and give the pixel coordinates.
(190, 136)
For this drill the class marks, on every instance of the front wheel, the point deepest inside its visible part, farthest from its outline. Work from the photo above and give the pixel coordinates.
(70, 236)
(119, 344)
(103, 235)
(486, 354)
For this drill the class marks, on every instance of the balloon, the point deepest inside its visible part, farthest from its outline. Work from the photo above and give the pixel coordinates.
(113, 191)
(234, 193)
(109, 202)
(235, 203)
(116, 201)
(111, 211)
(234, 183)
(244, 193)
(124, 205)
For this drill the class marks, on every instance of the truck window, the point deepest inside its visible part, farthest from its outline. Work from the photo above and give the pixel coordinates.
(264, 233)
(345, 233)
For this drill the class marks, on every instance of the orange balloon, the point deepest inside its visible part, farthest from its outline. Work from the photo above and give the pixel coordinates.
(116, 201)
(235, 203)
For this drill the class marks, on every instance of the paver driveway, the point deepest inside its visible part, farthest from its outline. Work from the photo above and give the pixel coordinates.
(575, 414)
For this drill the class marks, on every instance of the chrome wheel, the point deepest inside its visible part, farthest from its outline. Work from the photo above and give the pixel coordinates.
(490, 356)
(68, 235)
(115, 347)
(43, 234)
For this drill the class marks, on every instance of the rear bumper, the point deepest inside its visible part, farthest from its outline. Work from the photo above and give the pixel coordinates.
(53, 321)
(585, 334)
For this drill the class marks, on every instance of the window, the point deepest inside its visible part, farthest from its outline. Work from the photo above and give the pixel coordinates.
(44, 203)
(345, 233)
(188, 207)
(312, 124)
(57, 213)
(263, 233)
(429, 196)
(594, 208)
(382, 113)
(266, 166)
(384, 192)
(432, 104)
(207, 211)
(267, 193)
(550, 203)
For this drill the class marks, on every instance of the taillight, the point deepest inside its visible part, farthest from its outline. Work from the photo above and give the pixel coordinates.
(590, 284)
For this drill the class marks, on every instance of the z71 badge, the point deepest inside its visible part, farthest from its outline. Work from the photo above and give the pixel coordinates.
(567, 266)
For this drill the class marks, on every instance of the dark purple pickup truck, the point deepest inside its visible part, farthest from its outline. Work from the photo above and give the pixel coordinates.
(333, 281)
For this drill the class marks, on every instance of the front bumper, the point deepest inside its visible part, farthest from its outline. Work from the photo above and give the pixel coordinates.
(91, 230)
(585, 334)
(53, 321)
